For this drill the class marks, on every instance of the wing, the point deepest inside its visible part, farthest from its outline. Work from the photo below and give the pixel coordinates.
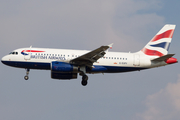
(89, 58)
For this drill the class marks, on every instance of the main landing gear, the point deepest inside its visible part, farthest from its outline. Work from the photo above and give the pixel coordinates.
(84, 76)
(84, 80)
(27, 73)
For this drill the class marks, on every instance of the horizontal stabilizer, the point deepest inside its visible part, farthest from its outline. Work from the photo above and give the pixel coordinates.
(162, 58)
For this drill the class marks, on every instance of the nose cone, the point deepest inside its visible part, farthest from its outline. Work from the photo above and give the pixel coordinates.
(4, 59)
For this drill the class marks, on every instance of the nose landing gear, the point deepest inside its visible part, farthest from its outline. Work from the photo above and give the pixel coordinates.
(27, 73)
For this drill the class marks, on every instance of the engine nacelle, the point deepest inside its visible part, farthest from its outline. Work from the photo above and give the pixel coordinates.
(63, 67)
(62, 70)
(55, 75)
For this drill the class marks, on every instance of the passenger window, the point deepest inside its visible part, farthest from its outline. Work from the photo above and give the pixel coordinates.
(16, 53)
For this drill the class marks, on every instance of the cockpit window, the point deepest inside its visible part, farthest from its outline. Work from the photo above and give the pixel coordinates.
(13, 53)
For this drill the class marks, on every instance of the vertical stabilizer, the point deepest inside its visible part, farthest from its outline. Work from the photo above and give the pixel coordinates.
(159, 44)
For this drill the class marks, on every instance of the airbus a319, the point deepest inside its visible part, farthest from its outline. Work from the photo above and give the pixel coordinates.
(67, 64)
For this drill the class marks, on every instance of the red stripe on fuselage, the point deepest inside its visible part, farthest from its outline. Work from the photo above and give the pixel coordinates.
(32, 51)
(167, 34)
(152, 52)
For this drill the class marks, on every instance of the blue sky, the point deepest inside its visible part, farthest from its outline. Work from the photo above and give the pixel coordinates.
(87, 24)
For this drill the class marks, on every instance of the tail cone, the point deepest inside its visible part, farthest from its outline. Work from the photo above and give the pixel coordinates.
(171, 60)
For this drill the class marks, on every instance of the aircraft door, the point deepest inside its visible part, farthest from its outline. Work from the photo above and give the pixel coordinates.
(27, 54)
(136, 60)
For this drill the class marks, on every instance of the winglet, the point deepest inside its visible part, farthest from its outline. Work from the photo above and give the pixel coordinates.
(110, 45)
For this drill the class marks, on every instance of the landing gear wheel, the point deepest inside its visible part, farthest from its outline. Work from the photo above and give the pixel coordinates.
(27, 73)
(84, 80)
(26, 77)
(85, 77)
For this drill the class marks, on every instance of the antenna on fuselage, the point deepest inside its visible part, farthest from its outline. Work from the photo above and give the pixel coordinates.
(30, 49)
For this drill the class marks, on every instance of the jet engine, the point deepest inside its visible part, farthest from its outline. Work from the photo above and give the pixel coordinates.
(62, 70)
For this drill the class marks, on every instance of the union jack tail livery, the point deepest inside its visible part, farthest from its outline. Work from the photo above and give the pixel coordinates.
(159, 44)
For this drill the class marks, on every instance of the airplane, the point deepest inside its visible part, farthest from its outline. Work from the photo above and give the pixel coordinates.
(66, 64)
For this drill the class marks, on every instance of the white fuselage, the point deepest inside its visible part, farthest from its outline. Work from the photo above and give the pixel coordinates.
(35, 58)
